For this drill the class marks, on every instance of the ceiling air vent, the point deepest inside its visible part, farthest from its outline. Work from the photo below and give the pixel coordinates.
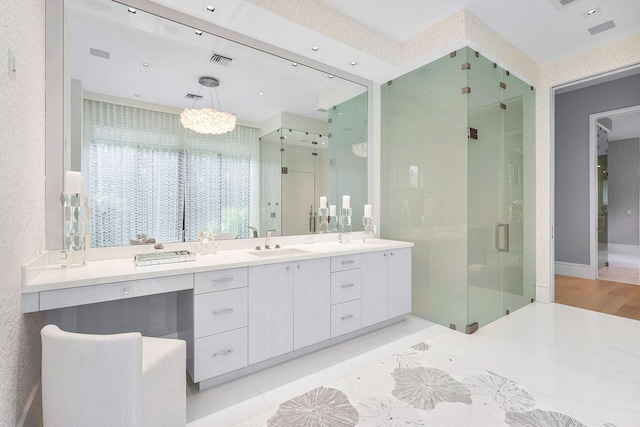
(193, 96)
(99, 53)
(559, 4)
(602, 27)
(216, 58)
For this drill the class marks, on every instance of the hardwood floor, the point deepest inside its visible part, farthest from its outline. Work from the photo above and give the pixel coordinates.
(620, 299)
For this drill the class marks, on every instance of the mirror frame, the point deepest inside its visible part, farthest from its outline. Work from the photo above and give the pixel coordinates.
(57, 104)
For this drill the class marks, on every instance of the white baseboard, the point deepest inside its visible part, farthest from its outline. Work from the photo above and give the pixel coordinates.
(31, 413)
(574, 270)
(624, 249)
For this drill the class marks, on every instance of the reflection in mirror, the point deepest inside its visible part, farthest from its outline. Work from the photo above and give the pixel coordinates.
(301, 133)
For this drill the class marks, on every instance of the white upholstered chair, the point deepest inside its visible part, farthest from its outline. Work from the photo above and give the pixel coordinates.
(112, 380)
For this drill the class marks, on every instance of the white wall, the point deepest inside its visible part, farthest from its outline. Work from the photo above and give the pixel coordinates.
(22, 174)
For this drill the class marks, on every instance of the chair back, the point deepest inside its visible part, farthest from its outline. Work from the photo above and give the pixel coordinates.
(91, 380)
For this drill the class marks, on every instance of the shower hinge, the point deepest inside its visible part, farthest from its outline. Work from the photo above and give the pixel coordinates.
(472, 133)
(329, 121)
(390, 82)
(472, 328)
(507, 312)
(314, 154)
(495, 65)
(314, 142)
(282, 137)
(282, 150)
(503, 85)
(466, 89)
(477, 54)
(329, 136)
(465, 66)
(533, 300)
(453, 54)
(503, 106)
(531, 87)
(508, 73)
(285, 170)
(452, 326)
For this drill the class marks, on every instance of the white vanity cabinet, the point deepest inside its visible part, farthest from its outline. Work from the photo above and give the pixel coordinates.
(288, 307)
(239, 312)
(386, 285)
(219, 312)
(311, 302)
(399, 282)
(270, 311)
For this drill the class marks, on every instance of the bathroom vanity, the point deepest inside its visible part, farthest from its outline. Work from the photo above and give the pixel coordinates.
(241, 310)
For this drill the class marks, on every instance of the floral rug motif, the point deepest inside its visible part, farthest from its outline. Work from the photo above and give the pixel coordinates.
(419, 387)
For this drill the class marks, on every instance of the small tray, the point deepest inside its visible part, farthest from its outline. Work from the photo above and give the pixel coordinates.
(157, 258)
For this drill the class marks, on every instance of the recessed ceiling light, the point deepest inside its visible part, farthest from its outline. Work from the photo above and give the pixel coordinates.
(260, 93)
(132, 10)
(294, 64)
(198, 32)
(315, 48)
(211, 8)
(591, 12)
(353, 63)
(145, 64)
(331, 76)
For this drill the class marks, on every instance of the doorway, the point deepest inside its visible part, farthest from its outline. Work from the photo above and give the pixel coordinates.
(615, 194)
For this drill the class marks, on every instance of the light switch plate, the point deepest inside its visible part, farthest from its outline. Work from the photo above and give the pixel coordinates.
(11, 65)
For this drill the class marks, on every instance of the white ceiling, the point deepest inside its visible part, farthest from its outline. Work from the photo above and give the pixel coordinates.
(539, 28)
(625, 126)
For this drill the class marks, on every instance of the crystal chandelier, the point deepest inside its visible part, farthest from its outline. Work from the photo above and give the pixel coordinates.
(208, 120)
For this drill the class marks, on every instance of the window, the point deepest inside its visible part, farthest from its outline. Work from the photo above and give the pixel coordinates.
(149, 175)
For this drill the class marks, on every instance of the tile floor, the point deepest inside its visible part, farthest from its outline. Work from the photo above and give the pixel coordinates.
(578, 362)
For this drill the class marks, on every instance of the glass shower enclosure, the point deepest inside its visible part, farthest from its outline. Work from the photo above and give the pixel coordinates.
(458, 180)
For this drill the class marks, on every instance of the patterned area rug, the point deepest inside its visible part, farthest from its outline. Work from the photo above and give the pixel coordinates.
(420, 387)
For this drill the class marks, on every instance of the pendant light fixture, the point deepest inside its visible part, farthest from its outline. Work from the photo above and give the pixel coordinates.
(208, 120)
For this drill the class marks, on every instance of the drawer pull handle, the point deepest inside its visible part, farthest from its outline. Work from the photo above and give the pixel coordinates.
(347, 317)
(347, 262)
(125, 291)
(348, 285)
(226, 279)
(225, 311)
(223, 353)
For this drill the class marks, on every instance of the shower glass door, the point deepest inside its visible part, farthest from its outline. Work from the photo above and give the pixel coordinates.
(496, 193)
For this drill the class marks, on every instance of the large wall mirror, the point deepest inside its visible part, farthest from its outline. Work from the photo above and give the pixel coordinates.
(301, 131)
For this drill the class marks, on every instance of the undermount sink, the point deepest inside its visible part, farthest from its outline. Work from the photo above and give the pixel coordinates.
(277, 252)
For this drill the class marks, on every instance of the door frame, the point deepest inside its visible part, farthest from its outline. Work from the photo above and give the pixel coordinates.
(593, 180)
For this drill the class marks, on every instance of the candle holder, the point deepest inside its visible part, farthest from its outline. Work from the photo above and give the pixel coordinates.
(345, 225)
(77, 228)
(369, 229)
(323, 220)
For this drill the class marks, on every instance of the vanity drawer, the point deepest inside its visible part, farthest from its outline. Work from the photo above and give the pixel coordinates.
(70, 297)
(345, 262)
(345, 317)
(220, 311)
(220, 280)
(346, 285)
(218, 354)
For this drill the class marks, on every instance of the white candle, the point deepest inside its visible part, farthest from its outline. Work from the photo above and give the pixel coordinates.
(346, 200)
(72, 182)
(367, 211)
(332, 210)
(323, 202)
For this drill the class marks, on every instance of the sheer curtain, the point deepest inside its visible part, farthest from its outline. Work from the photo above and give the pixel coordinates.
(149, 175)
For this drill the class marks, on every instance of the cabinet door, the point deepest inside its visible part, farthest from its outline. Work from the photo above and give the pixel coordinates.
(270, 311)
(311, 302)
(399, 282)
(374, 287)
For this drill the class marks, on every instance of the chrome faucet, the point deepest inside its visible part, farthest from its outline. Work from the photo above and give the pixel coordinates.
(267, 239)
(255, 231)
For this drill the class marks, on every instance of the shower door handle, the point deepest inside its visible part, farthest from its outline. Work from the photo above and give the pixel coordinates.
(503, 237)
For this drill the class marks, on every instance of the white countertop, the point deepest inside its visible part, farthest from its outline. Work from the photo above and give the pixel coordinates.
(120, 270)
